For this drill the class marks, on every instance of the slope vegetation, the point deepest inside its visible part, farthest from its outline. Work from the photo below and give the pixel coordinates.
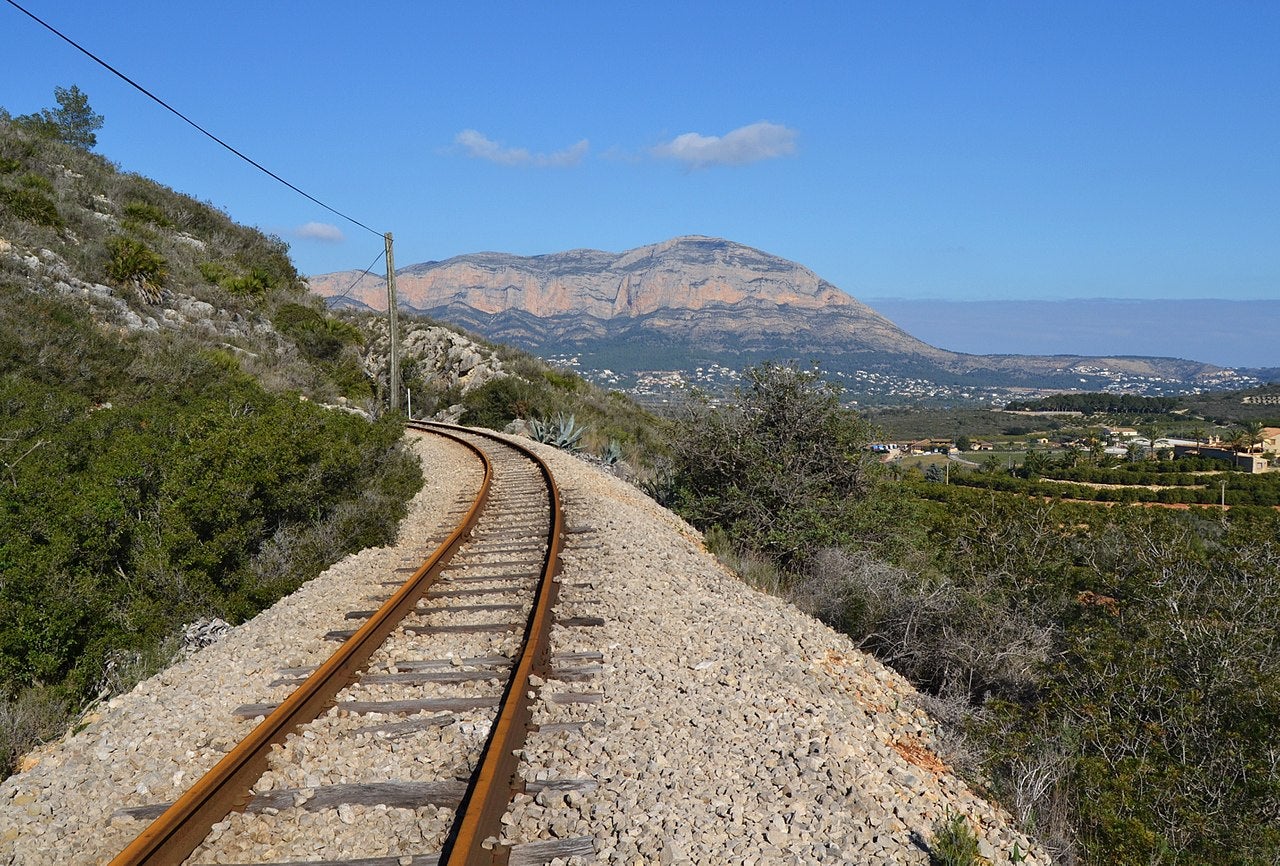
(164, 455)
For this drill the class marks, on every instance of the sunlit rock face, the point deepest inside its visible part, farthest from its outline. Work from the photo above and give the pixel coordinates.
(686, 288)
(707, 297)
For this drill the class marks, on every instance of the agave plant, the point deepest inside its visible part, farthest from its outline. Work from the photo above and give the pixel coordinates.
(540, 431)
(568, 433)
(612, 453)
(563, 431)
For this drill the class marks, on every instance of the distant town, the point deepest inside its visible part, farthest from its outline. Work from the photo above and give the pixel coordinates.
(866, 388)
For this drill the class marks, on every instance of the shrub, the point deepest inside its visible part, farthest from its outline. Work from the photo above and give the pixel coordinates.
(31, 205)
(34, 716)
(782, 467)
(564, 380)
(317, 335)
(132, 263)
(954, 843)
(257, 282)
(147, 213)
(32, 180)
(952, 637)
(498, 402)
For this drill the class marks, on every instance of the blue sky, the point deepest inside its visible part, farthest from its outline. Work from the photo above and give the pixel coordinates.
(951, 150)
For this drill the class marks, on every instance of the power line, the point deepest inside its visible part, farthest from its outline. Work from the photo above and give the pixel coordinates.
(359, 278)
(188, 120)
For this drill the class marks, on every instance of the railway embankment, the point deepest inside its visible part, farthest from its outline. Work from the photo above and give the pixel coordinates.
(732, 727)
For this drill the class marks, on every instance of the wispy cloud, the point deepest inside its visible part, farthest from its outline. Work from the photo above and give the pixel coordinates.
(324, 232)
(746, 144)
(479, 146)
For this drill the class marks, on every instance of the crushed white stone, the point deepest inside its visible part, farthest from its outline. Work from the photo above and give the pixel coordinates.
(732, 728)
(150, 745)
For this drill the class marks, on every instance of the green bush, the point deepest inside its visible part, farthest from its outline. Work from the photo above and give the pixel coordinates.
(31, 205)
(317, 335)
(37, 182)
(498, 402)
(954, 843)
(132, 263)
(195, 493)
(257, 282)
(564, 380)
(147, 213)
(782, 468)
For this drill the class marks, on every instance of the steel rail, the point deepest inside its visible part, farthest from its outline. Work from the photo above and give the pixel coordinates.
(175, 834)
(472, 841)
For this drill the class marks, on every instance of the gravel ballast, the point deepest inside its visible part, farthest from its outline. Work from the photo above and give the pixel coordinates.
(729, 727)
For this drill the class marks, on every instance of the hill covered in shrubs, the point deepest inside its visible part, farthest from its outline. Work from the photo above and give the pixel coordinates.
(165, 456)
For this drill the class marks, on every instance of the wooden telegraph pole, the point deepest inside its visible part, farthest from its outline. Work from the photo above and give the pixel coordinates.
(394, 401)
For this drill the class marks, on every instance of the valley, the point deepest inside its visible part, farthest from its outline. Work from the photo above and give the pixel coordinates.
(868, 389)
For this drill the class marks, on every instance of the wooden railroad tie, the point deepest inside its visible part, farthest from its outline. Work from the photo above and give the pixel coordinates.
(390, 708)
(401, 795)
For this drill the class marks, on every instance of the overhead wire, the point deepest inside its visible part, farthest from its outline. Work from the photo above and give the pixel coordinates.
(186, 119)
(350, 288)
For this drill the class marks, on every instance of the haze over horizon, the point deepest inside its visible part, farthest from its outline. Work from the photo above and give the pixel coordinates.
(1227, 333)
(986, 151)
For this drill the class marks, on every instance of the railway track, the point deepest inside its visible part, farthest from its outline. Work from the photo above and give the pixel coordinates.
(403, 747)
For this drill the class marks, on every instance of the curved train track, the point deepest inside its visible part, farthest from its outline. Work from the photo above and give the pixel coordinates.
(479, 610)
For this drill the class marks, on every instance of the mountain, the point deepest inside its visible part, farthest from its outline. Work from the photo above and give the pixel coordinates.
(693, 300)
(688, 288)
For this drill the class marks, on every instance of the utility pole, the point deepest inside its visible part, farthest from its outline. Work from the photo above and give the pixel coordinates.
(394, 400)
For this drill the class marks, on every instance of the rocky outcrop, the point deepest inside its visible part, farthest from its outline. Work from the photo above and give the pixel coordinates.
(687, 273)
(445, 358)
(110, 306)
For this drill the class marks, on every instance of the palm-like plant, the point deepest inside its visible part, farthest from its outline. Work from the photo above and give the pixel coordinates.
(1254, 434)
(1242, 440)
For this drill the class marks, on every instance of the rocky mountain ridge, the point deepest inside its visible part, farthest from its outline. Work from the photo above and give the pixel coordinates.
(705, 298)
(688, 287)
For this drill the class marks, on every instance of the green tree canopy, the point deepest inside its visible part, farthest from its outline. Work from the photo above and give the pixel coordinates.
(779, 467)
(73, 121)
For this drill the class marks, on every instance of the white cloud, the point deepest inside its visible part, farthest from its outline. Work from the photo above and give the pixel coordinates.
(479, 146)
(320, 232)
(746, 144)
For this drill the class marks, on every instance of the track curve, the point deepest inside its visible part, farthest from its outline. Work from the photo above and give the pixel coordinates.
(486, 539)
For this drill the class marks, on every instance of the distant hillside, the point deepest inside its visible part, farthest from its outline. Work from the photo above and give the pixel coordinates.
(1239, 407)
(703, 299)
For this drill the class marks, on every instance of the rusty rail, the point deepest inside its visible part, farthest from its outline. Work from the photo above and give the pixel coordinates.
(171, 838)
(495, 781)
